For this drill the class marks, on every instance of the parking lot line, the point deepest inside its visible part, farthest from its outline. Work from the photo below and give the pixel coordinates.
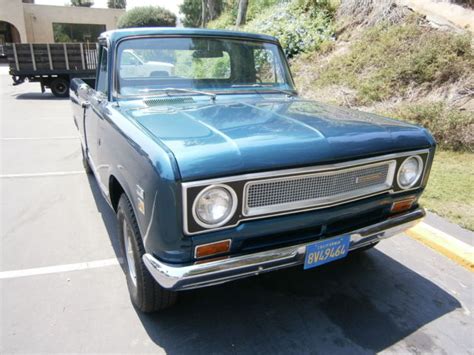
(30, 175)
(59, 268)
(38, 138)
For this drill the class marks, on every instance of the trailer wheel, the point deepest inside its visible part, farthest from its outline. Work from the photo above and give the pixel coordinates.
(17, 80)
(60, 87)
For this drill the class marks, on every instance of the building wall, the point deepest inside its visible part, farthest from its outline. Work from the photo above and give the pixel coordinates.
(39, 19)
(12, 11)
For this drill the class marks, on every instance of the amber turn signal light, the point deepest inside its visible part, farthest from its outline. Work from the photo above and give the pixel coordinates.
(209, 249)
(402, 205)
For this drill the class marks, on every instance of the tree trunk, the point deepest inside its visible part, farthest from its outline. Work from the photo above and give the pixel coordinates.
(242, 13)
(212, 9)
(203, 13)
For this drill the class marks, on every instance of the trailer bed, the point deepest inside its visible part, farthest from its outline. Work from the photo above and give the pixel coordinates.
(53, 65)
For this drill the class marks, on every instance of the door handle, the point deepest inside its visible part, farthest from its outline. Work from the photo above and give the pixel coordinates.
(85, 104)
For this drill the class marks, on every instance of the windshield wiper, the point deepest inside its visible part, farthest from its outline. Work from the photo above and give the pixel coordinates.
(266, 87)
(168, 90)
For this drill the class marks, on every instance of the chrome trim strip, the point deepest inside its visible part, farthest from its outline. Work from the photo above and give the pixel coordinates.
(297, 171)
(215, 272)
(254, 211)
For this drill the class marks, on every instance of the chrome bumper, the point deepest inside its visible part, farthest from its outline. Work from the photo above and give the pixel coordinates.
(232, 268)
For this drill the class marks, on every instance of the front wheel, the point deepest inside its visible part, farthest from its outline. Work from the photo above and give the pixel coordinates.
(146, 294)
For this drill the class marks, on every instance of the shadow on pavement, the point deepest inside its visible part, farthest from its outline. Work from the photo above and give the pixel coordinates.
(39, 96)
(107, 215)
(362, 304)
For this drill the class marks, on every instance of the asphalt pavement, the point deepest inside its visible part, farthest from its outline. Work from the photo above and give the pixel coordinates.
(63, 290)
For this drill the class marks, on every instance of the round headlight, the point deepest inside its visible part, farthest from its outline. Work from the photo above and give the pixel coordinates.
(410, 171)
(214, 206)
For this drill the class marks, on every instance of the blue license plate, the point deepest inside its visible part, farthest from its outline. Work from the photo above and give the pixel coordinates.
(325, 251)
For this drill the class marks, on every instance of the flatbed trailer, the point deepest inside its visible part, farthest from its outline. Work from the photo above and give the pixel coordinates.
(53, 65)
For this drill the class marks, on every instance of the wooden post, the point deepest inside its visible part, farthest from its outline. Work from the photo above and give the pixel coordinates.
(82, 57)
(16, 57)
(49, 57)
(65, 56)
(32, 52)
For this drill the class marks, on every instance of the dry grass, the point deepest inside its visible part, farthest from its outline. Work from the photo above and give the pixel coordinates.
(406, 70)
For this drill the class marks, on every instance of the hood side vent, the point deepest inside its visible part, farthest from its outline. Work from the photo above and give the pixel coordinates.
(165, 101)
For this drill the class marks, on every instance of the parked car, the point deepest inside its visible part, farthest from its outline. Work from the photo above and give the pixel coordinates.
(221, 171)
(132, 65)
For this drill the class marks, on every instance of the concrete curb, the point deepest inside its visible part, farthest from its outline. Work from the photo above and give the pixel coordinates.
(456, 250)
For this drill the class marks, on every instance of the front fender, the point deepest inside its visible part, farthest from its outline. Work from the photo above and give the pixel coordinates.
(146, 172)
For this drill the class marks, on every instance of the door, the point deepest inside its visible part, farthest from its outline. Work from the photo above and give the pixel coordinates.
(95, 113)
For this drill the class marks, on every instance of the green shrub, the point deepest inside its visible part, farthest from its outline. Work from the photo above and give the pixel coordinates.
(389, 60)
(229, 15)
(147, 16)
(452, 128)
(298, 31)
(300, 25)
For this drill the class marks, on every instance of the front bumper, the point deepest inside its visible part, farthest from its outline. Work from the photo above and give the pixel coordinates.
(234, 267)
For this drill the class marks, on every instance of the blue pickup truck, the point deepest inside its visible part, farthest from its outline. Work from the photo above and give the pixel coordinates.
(218, 170)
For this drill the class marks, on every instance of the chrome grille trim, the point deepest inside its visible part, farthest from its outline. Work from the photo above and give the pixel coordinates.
(185, 186)
(316, 189)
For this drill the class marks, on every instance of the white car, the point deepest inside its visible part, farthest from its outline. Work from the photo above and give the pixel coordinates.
(133, 66)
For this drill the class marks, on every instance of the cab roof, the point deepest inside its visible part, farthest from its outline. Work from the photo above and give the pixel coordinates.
(113, 36)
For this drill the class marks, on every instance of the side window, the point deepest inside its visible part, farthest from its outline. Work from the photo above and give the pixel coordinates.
(102, 78)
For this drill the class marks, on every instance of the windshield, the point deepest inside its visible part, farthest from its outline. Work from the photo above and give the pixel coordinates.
(220, 65)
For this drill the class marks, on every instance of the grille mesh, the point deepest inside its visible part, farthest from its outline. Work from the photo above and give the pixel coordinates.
(317, 186)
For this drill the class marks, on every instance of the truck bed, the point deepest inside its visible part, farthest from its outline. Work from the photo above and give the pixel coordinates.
(51, 59)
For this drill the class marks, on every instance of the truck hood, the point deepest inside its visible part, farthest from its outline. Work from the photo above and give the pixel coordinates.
(233, 137)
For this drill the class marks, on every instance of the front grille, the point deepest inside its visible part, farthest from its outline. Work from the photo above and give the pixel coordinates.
(310, 190)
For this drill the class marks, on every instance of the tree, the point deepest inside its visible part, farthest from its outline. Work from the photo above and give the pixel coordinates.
(117, 4)
(82, 3)
(191, 9)
(242, 12)
(147, 16)
(211, 9)
(197, 13)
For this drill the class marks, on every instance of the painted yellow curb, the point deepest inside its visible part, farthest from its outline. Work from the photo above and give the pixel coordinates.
(456, 250)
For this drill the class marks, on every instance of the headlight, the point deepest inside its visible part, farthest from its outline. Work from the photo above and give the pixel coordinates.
(409, 172)
(214, 206)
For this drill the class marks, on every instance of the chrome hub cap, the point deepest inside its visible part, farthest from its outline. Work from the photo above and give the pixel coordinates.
(127, 242)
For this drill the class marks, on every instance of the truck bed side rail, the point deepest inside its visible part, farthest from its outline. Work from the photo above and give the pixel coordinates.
(51, 58)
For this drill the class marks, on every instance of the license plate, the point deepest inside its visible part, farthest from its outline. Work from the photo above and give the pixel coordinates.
(325, 251)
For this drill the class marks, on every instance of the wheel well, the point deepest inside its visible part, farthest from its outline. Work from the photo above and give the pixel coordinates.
(115, 191)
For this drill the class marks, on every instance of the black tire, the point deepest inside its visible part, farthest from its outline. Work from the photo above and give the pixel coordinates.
(18, 80)
(85, 163)
(146, 294)
(60, 87)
